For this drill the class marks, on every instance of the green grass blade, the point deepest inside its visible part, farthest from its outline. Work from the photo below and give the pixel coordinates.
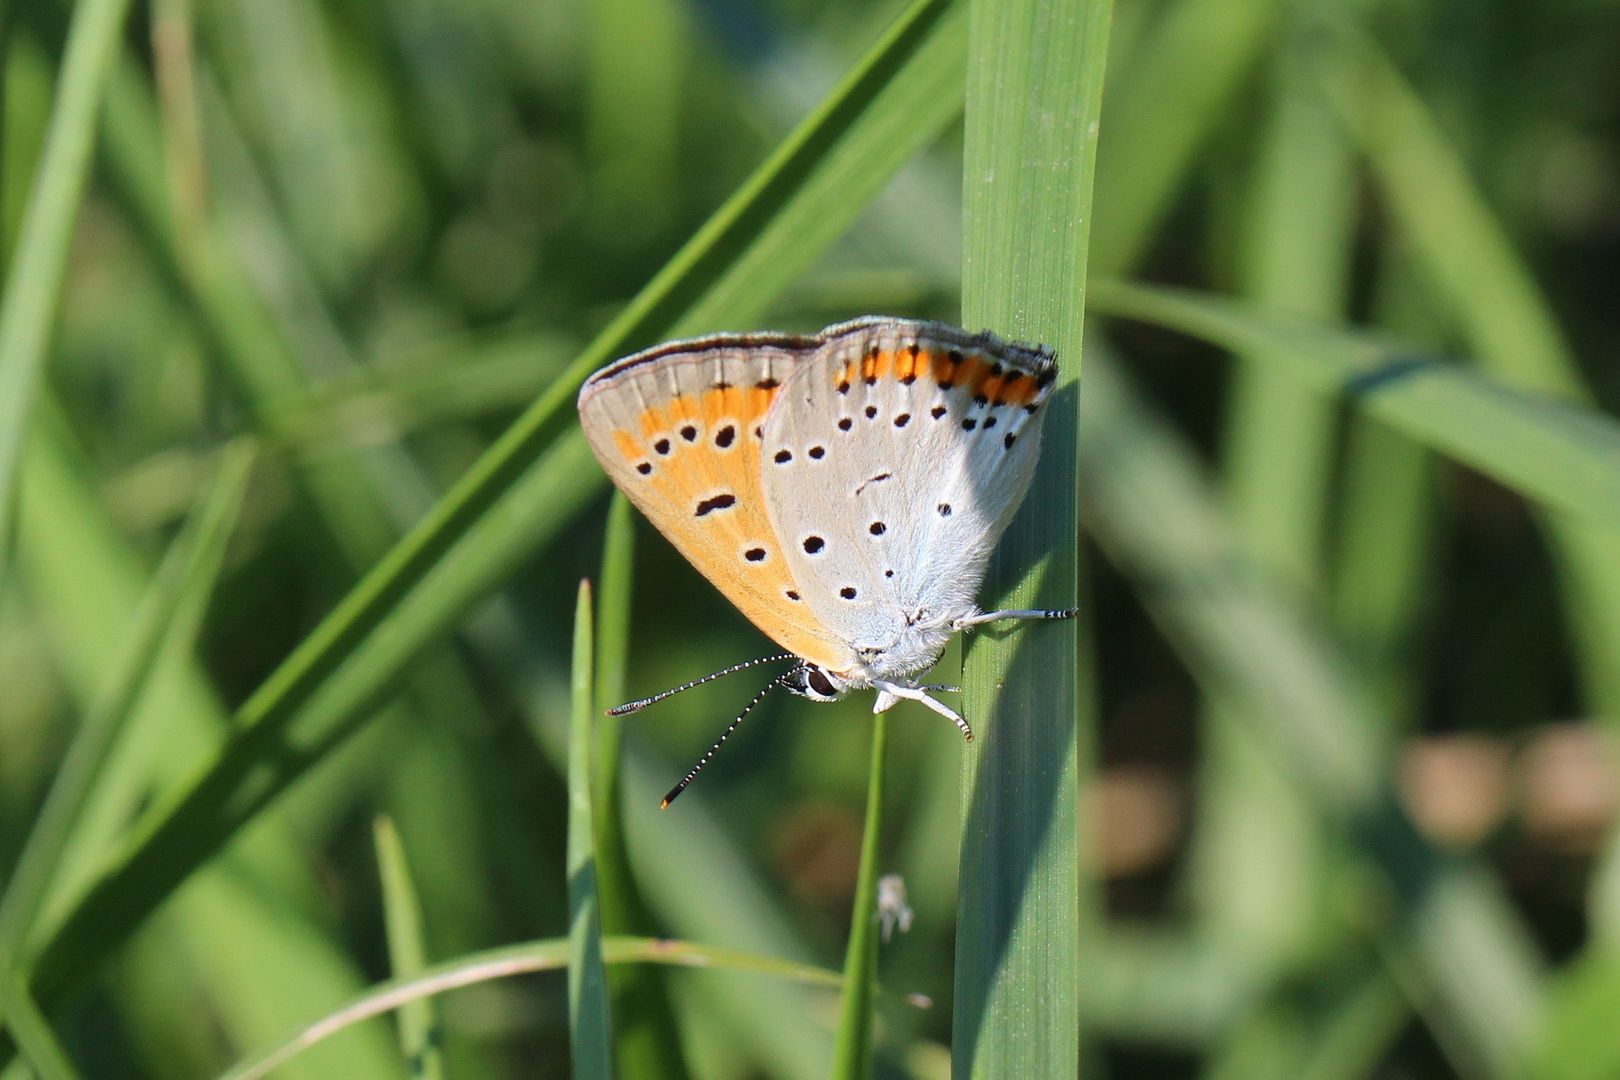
(588, 1026)
(243, 944)
(1034, 89)
(174, 841)
(646, 1042)
(420, 1036)
(186, 578)
(551, 954)
(39, 1045)
(852, 1049)
(461, 549)
(1563, 456)
(34, 279)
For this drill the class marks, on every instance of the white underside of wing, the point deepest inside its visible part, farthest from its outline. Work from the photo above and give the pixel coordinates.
(890, 527)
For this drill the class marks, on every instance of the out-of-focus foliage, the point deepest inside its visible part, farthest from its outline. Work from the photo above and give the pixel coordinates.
(1349, 675)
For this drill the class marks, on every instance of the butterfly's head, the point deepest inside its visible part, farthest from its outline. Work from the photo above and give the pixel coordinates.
(817, 683)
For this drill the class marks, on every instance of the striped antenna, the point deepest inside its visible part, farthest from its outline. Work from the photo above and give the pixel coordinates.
(633, 706)
(780, 680)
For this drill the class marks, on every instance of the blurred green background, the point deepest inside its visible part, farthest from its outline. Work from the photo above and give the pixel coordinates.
(328, 250)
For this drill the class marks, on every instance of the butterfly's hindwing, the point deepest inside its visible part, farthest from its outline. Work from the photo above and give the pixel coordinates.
(679, 429)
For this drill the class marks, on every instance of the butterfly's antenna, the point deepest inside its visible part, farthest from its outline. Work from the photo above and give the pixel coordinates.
(633, 706)
(780, 680)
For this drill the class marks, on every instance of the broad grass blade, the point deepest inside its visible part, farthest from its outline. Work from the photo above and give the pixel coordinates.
(1035, 81)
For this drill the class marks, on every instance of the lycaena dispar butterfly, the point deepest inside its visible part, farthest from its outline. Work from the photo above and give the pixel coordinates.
(844, 491)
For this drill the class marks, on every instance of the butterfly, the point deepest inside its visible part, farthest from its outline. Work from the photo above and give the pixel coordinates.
(844, 490)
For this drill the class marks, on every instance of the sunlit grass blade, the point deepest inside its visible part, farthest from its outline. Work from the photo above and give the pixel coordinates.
(420, 1037)
(414, 595)
(242, 938)
(208, 813)
(590, 1038)
(186, 578)
(521, 959)
(1153, 514)
(1034, 91)
(1561, 455)
(852, 1049)
(34, 278)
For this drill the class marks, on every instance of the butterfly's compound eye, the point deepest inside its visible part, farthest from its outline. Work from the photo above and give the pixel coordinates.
(817, 686)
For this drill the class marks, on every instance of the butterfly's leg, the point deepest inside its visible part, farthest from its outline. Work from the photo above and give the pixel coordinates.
(995, 616)
(914, 693)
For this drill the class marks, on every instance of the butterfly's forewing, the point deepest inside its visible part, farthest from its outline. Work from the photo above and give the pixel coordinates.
(679, 429)
(892, 465)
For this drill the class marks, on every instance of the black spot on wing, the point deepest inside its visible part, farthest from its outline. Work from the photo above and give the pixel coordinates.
(718, 502)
